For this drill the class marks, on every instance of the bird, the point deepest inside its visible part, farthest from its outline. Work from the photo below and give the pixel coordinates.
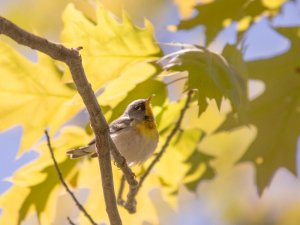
(134, 133)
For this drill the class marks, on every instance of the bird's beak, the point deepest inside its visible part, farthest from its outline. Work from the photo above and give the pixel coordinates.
(148, 106)
(148, 102)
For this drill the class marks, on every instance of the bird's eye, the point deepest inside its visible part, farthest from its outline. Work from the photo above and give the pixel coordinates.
(139, 107)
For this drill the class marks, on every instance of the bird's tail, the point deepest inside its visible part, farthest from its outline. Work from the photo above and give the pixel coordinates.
(82, 151)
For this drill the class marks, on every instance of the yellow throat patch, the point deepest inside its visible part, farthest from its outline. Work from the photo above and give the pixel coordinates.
(148, 127)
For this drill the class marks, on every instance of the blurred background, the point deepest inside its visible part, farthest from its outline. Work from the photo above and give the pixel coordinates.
(231, 197)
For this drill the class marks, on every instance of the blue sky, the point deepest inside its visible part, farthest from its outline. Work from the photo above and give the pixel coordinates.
(9, 146)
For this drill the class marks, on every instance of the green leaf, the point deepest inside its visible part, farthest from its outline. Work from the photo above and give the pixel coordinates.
(200, 169)
(210, 74)
(216, 14)
(276, 112)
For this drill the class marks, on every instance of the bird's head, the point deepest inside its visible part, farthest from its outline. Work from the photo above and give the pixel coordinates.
(140, 110)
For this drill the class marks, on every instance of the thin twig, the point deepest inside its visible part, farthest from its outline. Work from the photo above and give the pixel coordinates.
(72, 58)
(70, 221)
(169, 138)
(130, 204)
(61, 178)
(121, 190)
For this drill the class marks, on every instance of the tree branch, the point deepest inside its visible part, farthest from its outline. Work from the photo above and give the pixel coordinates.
(130, 204)
(70, 221)
(61, 178)
(103, 141)
(121, 190)
(169, 138)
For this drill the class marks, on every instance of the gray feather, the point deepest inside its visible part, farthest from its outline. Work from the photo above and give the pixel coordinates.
(79, 152)
(119, 124)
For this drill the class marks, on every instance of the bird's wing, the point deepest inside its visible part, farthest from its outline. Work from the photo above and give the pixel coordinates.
(116, 126)
(119, 124)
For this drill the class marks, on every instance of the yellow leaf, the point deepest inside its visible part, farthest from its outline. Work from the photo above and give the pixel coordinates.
(186, 7)
(290, 216)
(168, 114)
(11, 203)
(208, 121)
(31, 95)
(196, 174)
(47, 216)
(171, 168)
(32, 178)
(244, 23)
(36, 185)
(112, 95)
(273, 4)
(109, 47)
(227, 147)
(89, 178)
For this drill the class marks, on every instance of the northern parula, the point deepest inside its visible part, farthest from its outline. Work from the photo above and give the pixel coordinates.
(134, 134)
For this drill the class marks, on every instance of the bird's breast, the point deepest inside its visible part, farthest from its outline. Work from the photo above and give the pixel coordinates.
(147, 128)
(137, 143)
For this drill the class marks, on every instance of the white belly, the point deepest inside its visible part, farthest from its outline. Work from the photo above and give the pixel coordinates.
(136, 148)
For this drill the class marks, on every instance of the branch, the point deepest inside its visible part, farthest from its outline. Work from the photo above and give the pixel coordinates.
(70, 221)
(103, 141)
(121, 189)
(169, 138)
(130, 204)
(61, 178)
(122, 164)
